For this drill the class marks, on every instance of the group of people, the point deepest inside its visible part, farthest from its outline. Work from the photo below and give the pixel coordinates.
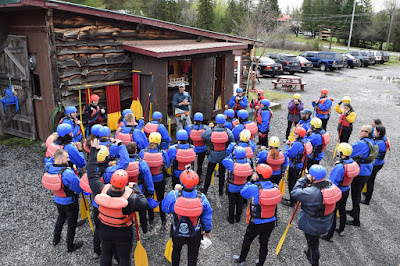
(130, 172)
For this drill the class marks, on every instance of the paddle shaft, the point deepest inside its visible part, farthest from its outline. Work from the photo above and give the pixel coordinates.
(137, 227)
(278, 248)
(337, 142)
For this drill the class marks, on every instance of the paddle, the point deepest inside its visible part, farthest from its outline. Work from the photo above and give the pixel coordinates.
(278, 248)
(80, 113)
(282, 186)
(168, 250)
(136, 106)
(337, 142)
(87, 211)
(140, 253)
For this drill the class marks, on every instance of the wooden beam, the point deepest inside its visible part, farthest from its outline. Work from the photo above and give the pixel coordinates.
(95, 85)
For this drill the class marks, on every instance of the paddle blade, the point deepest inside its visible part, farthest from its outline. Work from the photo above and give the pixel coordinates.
(364, 188)
(168, 250)
(83, 210)
(287, 172)
(282, 186)
(291, 136)
(137, 109)
(157, 209)
(112, 120)
(334, 153)
(140, 255)
(278, 248)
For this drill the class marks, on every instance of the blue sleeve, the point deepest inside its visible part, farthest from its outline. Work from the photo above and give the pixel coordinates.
(164, 134)
(141, 154)
(337, 174)
(188, 130)
(243, 102)
(228, 163)
(313, 103)
(359, 148)
(175, 101)
(48, 161)
(206, 135)
(285, 163)
(236, 131)
(262, 156)
(206, 216)
(232, 102)
(265, 121)
(172, 153)
(140, 138)
(229, 150)
(302, 193)
(249, 190)
(325, 107)
(144, 170)
(252, 145)
(123, 161)
(70, 179)
(168, 202)
(75, 156)
(140, 124)
(231, 137)
(167, 160)
(294, 150)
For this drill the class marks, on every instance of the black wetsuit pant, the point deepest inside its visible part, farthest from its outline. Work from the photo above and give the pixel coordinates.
(118, 240)
(221, 176)
(356, 188)
(294, 174)
(67, 213)
(235, 202)
(159, 188)
(341, 206)
(371, 182)
(193, 244)
(345, 135)
(312, 252)
(200, 160)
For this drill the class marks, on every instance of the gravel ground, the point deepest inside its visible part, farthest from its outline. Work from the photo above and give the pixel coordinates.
(28, 212)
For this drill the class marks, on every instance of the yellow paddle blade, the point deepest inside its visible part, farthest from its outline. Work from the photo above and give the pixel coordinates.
(169, 171)
(337, 214)
(291, 136)
(278, 248)
(168, 250)
(334, 153)
(140, 255)
(112, 120)
(83, 210)
(137, 109)
(282, 186)
(86, 206)
(364, 188)
(156, 209)
(287, 172)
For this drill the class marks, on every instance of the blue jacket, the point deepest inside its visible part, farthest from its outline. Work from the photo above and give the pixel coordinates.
(252, 191)
(361, 148)
(243, 102)
(217, 156)
(382, 151)
(168, 205)
(296, 149)
(165, 138)
(69, 179)
(145, 174)
(76, 129)
(122, 163)
(305, 124)
(228, 163)
(159, 177)
(310, 198)
(337, 174)
(75, 156)
(188, 129)
(316, 142)
(236, 131)
(232, 146)
(228, 124)
(172, 156)
(137, 136)
(324, 107)
(262, 158)
(266, 117)
(139, 125)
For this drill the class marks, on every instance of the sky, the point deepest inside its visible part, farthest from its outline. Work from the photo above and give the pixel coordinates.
(377, 5)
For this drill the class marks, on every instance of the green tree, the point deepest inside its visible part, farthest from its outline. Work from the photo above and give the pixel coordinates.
(205, 14)
(93, 3)
(235, 14)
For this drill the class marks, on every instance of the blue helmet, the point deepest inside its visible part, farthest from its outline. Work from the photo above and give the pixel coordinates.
(240, 152)
(265, 102)
(157, 115)
(198, 116)
(70, 109)
(306, 111)
(95, 129)
(317, 171)
(229, 113)
(182, 135)
(239, 90)
(104, 131)
(220, 119)
(243, 114)
(64, 129)
(126, 111)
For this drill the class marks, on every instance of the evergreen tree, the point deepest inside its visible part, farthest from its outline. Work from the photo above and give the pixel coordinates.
(205, 14)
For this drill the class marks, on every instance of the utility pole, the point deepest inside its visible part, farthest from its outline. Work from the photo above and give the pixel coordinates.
(390, 27)
(351, 26)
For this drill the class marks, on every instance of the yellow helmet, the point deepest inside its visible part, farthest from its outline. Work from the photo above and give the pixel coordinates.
(102, 154)
(316, 122)
(245, 135)
(155, 137)
(297, 96)
(273, 142)
(346, 99)
(345, 149)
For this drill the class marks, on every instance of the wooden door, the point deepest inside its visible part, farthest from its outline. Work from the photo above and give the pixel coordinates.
(14, 69)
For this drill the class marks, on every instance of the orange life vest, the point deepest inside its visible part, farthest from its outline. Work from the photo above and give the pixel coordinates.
(133, 171)
(51, 146)
(322, 101)
(240, 173)
(124, 137)
(150, 128)
(155, 161)
(351, 170)
(184, 157)
(110, 208)
(188, 207)
(54, 182)
(343, 121)
(84, 184)
(268, 199)
(252, 127)
(219, 140)
(195, 136)
(330, 195)
(276, 164)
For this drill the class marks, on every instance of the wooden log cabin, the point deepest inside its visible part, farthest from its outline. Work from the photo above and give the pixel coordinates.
(49, 51)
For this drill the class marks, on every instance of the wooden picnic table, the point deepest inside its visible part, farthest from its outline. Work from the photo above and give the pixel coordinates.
(289, 82)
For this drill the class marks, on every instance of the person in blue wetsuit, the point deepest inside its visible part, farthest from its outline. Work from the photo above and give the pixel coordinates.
(72, 120)
(305, 119)
(191, 211)
(264, 198)
(314, 135)
(230, 122)
(245, 142)
(132, 132)
(155, 126)
(238, 101)
(322, 107)
(263, 120)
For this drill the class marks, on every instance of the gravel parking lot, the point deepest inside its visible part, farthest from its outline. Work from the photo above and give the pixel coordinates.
(28, 212)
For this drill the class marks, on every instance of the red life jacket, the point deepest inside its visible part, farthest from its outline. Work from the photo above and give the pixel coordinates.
(110, 208)
(294, 111)
(219, 139)
(276, 164)
(124, 137)
(252, 127)
(84, 184)
(326, 138)
(195, 136)
(133, 171)
(54, 182)
(240, 173)
(351, 170)
(155, 161)
(343, 121)
(188, 207)
(150, 128)
(249, 151)
(259, 116)
(184, 157)
(51, 146)
(268, 199)
(330, 195)
(95, 110)
(322, 101)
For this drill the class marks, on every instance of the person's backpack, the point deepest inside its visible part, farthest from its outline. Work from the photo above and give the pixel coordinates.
(373, 152)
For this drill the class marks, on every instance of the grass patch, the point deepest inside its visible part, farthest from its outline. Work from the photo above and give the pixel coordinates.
(273, 96)
(271, 50)
(18, 142)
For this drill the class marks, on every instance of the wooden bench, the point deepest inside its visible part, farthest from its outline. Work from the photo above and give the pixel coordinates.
(289, 82)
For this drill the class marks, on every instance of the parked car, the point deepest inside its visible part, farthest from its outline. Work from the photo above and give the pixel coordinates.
(371, 58)
(385, 56)
(289, 62)
(378, 57)
(352, 61)
(345, 65)
(305, 65)
(267, 66)
(363, 56)
(324, 60)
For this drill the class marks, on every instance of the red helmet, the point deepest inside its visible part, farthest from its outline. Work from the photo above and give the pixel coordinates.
(301, 131)
(189, 179)
(261, 92)
(324, 91)
(265, 170)
(94, 97)
(119, 179)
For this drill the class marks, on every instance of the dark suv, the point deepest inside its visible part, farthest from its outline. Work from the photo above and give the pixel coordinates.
(289, 62)
(324, 60)
(363, 56)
